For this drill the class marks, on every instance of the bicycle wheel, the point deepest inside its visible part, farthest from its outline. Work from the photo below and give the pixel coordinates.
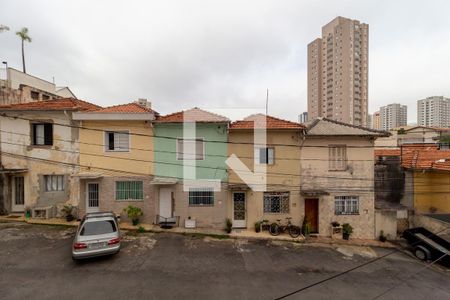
(274, 229)
(294, 231)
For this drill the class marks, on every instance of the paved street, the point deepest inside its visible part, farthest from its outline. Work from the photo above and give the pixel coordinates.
(35, 263)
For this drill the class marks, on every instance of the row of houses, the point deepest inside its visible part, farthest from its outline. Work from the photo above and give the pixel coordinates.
(189, 165)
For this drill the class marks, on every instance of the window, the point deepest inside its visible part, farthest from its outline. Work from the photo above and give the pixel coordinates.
(34, 95)
(129, 190)
(276, 202)
(264, 156)
(54, 183)
(98, 227)
(117, 141)
(201, 196)
(346, 205)
(190, 149)
(42, 134)
(337, 157)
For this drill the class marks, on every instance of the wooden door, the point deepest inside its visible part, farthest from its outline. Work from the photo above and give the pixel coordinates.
(312, 213)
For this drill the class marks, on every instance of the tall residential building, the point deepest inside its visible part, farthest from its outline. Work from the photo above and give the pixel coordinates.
(376, 120)
(433, 112)
(303, 117)
(338, 71)
(393, 116)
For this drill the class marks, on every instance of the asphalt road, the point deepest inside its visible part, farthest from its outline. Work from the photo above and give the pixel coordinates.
(35, 263)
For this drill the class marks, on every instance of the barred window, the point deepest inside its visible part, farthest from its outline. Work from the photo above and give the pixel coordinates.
(201, 196)
(346, 205)
(129, 190)
(337, 157)
(117, 141)
(276, 202)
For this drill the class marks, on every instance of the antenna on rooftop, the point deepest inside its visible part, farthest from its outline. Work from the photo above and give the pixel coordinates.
(267, 102)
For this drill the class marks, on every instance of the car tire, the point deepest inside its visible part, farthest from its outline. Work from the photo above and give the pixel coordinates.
(421, 254)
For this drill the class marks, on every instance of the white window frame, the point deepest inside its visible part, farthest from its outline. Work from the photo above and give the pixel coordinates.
(270, 159)
(285, 196)
(206, 190)
(180, 156)
(106, 140)
(346, 205)
(336, 163)
(56, 183)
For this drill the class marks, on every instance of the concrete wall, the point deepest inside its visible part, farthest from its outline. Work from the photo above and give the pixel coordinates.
(433, 225)
(18, 153)
(357, 180)
(386, 221)
(17, 78)
(432, 191)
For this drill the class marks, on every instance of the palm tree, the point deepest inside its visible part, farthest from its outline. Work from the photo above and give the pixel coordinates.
(23, 34)
(3, 28)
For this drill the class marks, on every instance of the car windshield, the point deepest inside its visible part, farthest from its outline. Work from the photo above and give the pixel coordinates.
(98, 227)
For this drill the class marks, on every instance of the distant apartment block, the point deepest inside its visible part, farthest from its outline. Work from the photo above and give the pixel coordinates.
(433, 112)
(376, 120)
(338, 72)
(303, 117)
(393, 116)
(18, 87)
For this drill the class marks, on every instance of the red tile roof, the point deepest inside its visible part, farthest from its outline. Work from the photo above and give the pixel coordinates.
(193, 114)
(130, 108)
(425, 156)
(387, 152)
(55, 104)
(268, 122)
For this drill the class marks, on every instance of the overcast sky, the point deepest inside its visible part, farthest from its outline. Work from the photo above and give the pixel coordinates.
(223, 54)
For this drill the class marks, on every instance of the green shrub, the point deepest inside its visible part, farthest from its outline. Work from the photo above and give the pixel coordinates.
(141, 229)
(228, 225)
(133, 213)
(257, 226)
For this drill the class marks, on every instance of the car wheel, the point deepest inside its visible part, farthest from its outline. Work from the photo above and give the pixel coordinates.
(420, 254)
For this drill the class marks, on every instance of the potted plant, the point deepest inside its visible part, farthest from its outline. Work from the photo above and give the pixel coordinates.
(265, 225)
(67, 211)
(133, 213)
(258, 226)
(228, 225)
(347, 230)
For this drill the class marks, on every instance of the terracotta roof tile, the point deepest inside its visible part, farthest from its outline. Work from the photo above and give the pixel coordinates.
(387, 152)
(268, 122)
(55, 104)
(133, 108)
(425, 156)
(193, 114)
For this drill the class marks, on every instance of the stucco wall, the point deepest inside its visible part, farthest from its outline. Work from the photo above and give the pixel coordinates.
(42, 160)
(432, 190)
(357, 180)
(211, 167)
(386, 221)
(137, 161)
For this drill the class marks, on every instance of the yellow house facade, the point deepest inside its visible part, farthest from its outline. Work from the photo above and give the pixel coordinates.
(116, 159)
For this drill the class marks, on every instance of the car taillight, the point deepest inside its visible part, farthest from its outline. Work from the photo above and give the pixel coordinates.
(79, 246)
(114, 241)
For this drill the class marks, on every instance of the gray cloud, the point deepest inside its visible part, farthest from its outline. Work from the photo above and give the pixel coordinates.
(182, 54)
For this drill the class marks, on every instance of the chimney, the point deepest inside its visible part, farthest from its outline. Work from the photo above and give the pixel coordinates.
(144, 102)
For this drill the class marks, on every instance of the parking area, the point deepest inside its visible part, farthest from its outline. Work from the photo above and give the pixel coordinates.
(35, 263)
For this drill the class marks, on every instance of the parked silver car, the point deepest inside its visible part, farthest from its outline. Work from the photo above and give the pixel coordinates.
(97, 235)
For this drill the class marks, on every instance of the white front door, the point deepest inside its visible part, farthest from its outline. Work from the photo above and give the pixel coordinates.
(92, 197)
(18, 194)
(239, 210)
(165, 202)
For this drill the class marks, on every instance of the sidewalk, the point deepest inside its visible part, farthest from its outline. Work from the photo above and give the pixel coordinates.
(236, 233)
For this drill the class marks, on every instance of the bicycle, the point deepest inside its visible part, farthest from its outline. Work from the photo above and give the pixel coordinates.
(277, 228)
